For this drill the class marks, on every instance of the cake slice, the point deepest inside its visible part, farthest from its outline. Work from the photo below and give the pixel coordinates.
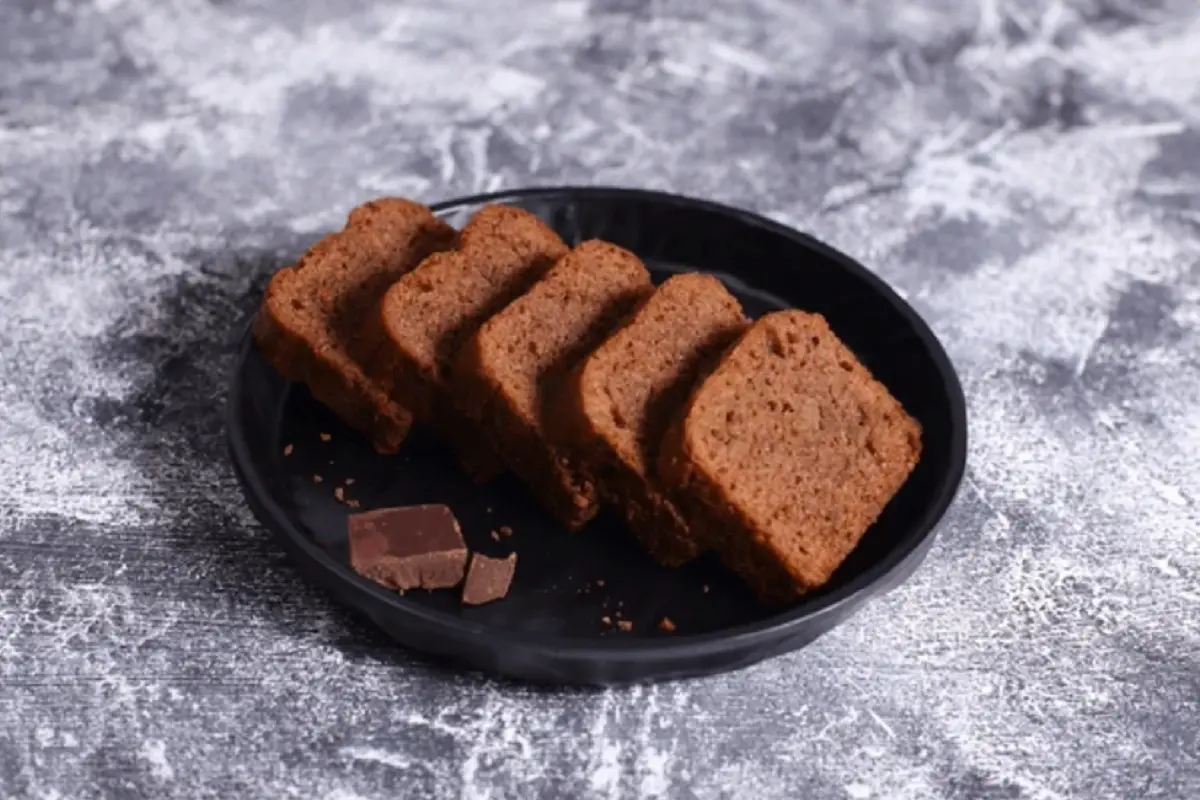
(623, 396)
(310, 326)
(504, 374)
(794, 449)
(428, 314)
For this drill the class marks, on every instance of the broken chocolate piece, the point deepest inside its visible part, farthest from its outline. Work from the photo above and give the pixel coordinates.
(408, 548)
(488, 579)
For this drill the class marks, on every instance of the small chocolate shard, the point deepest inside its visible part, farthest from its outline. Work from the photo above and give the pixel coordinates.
(625, 625)
(416, 547)
(666, 625)
(488, 579)
(325, 437)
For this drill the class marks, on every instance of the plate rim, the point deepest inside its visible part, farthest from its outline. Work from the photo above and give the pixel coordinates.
(680, 645)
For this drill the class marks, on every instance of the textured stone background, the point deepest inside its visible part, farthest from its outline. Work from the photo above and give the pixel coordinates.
(1026, 172)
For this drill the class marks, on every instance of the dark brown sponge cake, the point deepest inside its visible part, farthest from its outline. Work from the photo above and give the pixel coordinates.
(624, 395)
(505, 373)
(310, 326)
(427, 315)
(794, 448)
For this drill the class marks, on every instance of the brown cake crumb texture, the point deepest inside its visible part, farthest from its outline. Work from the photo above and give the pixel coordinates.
(624, 395)
(506, 372)
(310, 325)
(795, 448)
(429, 313)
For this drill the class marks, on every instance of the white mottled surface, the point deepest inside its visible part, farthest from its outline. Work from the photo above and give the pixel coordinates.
(1026, 172)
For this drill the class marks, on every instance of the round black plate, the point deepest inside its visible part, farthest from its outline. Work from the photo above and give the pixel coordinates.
(550, 626)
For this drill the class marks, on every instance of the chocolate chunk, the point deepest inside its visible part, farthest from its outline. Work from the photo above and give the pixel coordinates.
(408, 548)
(488, 579)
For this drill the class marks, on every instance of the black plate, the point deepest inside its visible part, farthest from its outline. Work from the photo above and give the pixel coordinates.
(550, 627)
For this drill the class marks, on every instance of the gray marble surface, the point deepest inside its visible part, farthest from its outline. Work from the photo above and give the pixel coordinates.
(1026, 172)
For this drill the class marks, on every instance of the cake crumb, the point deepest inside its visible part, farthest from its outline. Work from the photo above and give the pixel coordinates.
(625, 625)
(339, 494)
(495, 536)
(666, 625)
(287, 451)
(704, 588)
(349, 481)
(505, 530)
(607, 620)
(353, 504)
(325, 437)
(600, 583)
(317, 479)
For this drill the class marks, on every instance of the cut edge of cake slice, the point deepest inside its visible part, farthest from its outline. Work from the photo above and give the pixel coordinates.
(623, 396)
(426, 316)
(509, 374)
(794, 449)
(309, 324)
